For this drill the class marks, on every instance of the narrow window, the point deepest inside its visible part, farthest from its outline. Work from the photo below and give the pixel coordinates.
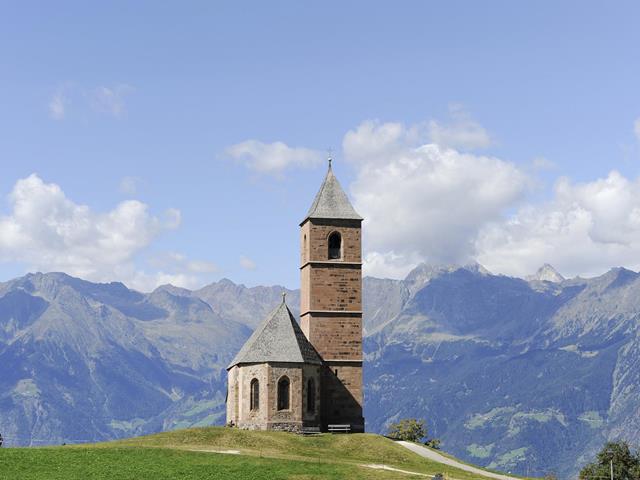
(311, 395)
(255, 394)
(283, 394)
(304, 249)
(335, 246)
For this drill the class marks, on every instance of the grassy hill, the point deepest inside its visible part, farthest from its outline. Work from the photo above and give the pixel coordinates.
(196, 454)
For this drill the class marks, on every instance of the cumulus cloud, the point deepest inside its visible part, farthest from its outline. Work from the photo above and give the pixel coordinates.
(390, 264)
(49, 232)
(424, 202)
(247, 263)
(462, 132)
(272, 158)
(585, 229)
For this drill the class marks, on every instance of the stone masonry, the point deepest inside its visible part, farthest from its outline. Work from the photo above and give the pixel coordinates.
(292, 377)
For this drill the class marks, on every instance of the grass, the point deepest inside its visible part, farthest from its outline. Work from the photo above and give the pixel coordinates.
(122, 463)
(189, 454)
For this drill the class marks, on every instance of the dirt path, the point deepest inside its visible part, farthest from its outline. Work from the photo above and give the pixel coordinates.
(393, 469)
(438, 457)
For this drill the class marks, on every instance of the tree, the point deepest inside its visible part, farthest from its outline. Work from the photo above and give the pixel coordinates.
(409, 429)
(625, 462)
(433, 443)
(412, 430)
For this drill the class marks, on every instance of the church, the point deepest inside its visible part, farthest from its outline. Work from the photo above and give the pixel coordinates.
(307, 376)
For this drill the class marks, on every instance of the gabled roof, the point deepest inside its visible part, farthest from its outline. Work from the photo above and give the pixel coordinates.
(331, 201)
(278, 339)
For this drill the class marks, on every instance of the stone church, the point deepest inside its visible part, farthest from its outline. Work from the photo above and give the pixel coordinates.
(291, 376)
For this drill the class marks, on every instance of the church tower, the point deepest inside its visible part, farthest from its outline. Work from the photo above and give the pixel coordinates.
(331, 300)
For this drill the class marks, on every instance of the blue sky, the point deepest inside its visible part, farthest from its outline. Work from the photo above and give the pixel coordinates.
(474, 127)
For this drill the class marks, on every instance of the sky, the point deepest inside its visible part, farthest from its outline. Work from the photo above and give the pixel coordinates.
(183, 142)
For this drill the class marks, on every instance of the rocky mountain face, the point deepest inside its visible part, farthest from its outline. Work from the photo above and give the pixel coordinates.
(529, 376)
(524, 376)
(82, 361)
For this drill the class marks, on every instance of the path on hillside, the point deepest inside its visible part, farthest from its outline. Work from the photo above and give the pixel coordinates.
(438, 457)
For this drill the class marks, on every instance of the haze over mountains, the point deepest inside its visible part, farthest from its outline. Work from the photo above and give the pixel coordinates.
(528, 375)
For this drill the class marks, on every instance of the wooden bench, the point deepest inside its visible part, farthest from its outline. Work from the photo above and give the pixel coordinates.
(310, 431)
(339, 428)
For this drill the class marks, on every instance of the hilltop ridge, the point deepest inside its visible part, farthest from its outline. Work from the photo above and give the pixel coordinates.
(218, 452)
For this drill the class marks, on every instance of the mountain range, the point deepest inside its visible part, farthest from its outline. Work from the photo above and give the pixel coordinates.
(525, 375)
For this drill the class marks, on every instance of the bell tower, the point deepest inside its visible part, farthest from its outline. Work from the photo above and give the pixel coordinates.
(331, 300)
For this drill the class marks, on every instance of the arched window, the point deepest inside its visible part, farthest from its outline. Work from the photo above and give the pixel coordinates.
(311, 395)
(255, 394)
(283, 394)
(335, 246)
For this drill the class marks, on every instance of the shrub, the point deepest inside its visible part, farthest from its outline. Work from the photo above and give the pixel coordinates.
(412, 430)
(409, 429)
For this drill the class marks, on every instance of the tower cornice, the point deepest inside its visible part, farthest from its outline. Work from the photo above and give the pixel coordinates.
(330, 263)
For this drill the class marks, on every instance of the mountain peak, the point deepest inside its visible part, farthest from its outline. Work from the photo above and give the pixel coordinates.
(546, 273)
(425, 272)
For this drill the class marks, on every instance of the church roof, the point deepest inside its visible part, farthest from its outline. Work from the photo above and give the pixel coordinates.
(278, 339)
(331, 201)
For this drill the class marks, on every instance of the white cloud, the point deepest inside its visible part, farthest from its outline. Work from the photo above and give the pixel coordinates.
(435, 204)
(57, 105)
(272, 158)
(177, 269)
(375, 142)
(247, 263)
(585, 229)
(424, 202)
(463, 132)
(49, 232)
(110, 100)
(390, 264)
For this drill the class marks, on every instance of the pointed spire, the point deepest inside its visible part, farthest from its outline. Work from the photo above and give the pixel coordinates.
(278, 339)
(331, 201)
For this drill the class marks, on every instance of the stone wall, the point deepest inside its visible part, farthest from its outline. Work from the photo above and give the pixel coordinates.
(267, 416)
(292, 416)
(232, 396)
(335, 287)
(342, 394)
(335, 336)
(331, 316)
(311, 417)
(314, 238)
(239, 398)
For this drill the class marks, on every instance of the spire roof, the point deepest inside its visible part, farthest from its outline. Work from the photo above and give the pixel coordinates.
(278, 339)
(331, 201)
